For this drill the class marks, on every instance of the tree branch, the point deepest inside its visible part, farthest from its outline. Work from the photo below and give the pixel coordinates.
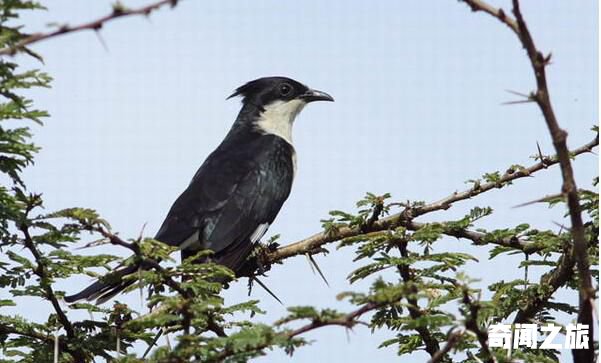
(315, 242)
(542, 98)
(478, 238)
(559, 137)
(96, 25)
(145, 261)
(471, 324)
(347, 321)
(477, 5)
(41, 271)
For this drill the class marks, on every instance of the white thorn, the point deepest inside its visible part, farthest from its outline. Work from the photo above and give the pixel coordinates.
(56, 346)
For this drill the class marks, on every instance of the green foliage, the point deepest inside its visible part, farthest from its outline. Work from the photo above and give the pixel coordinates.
(16, 149)
(430, 283)
(372, 207)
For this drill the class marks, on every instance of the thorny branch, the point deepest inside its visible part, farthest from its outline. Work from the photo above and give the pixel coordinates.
(405, 218)
(41, 271)
(541, 96)
(118, 12)
(477, 5)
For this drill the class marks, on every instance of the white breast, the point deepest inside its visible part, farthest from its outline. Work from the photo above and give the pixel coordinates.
(278, 118)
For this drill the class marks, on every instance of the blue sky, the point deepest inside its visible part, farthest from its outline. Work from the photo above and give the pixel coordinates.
(418, 88)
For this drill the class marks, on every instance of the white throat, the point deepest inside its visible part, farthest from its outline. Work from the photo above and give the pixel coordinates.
(278, 118)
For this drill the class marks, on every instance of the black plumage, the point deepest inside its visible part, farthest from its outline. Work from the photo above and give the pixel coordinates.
(241, 186)
(238, 191)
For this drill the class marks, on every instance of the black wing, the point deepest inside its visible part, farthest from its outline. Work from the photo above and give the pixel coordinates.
(235, 194)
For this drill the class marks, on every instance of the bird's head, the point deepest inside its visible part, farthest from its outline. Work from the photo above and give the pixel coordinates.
(277, 101)
(266, 91)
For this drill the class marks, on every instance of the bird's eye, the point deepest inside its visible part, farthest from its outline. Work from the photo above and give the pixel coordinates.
(285, 89)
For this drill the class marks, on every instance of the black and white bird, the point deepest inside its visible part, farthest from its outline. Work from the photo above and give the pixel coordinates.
(238, 191)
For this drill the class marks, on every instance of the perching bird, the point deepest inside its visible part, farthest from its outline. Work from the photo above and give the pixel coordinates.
(238, 191)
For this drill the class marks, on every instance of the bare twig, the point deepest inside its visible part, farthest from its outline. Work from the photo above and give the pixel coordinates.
(538, 62)
(559, 136)
(477, 5)
(96, 25)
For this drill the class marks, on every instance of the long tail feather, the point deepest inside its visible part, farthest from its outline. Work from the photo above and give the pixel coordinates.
(105, 288)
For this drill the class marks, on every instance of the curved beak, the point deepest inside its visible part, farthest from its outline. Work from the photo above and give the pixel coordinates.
(315, 95)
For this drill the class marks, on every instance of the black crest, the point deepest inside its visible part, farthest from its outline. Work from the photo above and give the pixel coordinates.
(265, 90)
